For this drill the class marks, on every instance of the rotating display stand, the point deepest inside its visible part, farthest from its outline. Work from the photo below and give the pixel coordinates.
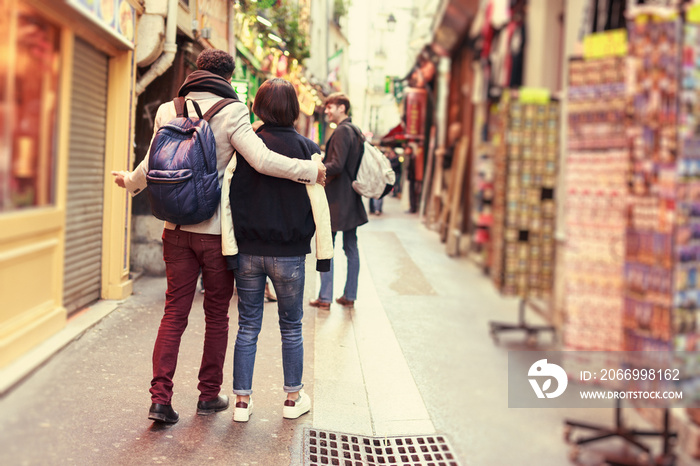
(525, 145)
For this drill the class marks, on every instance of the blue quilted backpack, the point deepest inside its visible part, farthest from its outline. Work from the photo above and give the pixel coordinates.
(183, 184)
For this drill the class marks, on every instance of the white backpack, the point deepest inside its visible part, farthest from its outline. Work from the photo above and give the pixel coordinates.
(374, 177)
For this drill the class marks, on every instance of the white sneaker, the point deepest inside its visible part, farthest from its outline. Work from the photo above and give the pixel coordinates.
(243, 411)
(293, 409)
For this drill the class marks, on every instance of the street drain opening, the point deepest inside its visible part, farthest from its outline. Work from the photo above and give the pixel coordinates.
(323, 447)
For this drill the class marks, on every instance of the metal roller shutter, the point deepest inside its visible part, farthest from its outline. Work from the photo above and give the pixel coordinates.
(83, 259)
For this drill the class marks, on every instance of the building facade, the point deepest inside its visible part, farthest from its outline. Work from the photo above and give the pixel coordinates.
(67, 73)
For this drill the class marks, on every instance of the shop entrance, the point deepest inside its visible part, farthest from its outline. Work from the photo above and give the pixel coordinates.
(84, 212)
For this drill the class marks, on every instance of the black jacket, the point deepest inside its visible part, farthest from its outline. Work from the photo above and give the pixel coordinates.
(343, 151)
(272, 216)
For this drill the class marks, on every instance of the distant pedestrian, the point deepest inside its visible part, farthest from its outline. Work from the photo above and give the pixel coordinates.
(189, 248)
(343, 151)
(375, 206)
(395, 161)
(412, 176)
(273, 221)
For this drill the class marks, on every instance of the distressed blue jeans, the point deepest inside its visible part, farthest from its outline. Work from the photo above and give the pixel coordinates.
(353, 256)
(287, 275)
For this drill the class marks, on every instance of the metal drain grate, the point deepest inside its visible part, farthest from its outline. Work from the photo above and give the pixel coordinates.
(322, 447)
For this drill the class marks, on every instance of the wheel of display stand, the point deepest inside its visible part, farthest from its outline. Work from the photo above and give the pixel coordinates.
(644, 458)
(531, 339)
(567, 434)
(494, 335)
(574, 453)
(666, 460)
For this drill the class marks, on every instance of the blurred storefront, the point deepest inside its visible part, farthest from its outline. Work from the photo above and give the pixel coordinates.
(67, 74)
(565, 164)
(443, 69)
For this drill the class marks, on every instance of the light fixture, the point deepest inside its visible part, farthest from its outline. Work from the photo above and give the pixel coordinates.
(391, 22)
(274, 37)
(264, 21)
(286, 53)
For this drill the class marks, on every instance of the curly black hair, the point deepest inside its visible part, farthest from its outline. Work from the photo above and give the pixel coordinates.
(217, 62)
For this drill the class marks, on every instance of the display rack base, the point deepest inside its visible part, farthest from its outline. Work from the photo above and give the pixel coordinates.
(644, 457)
(531, 331)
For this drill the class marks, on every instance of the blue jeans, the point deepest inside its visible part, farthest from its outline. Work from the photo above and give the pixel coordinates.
(353, 256)
(287, 275)
(375, 205)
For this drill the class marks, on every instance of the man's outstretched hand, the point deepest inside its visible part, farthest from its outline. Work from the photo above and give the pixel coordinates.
(119, 178)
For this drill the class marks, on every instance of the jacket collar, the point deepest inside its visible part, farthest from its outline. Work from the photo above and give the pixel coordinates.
(276, 129)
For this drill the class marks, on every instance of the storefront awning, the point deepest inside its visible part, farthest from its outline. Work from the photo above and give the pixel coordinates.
(452, 23)
(395, 136)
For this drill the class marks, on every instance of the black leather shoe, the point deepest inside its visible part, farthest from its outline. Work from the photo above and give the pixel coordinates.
(213, 406)
(163, 413)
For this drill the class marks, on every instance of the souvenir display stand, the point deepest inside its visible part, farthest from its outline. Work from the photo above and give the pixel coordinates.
(597, 164)
(654, 308)
(525, 167)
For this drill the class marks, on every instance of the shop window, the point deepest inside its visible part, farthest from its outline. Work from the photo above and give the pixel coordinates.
(29, 69)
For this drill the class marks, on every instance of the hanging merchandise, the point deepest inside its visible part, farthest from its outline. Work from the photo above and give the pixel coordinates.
(482, 186)
(650, 262)
(607, 15)
(687, 236)
(516, 59)
(525, 163)
(596, 179)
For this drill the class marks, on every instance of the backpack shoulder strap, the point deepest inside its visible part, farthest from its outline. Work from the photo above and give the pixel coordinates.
(358, 132)
(218, 106)
(179, 106)
(361, 139)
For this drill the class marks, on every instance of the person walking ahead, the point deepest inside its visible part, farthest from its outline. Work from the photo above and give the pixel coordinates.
(343, 151)
(188, 248)
(273, 221)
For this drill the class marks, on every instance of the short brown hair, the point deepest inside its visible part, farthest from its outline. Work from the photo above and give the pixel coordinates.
(338, 98)
(276, 103)
(216, 61)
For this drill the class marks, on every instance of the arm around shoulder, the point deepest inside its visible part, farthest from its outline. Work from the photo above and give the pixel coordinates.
(262, 159)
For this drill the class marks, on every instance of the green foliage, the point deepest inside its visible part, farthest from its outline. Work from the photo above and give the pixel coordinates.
(340, 9)
(286, 23)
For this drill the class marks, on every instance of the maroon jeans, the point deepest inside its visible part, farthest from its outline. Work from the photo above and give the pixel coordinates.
(185, 254)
